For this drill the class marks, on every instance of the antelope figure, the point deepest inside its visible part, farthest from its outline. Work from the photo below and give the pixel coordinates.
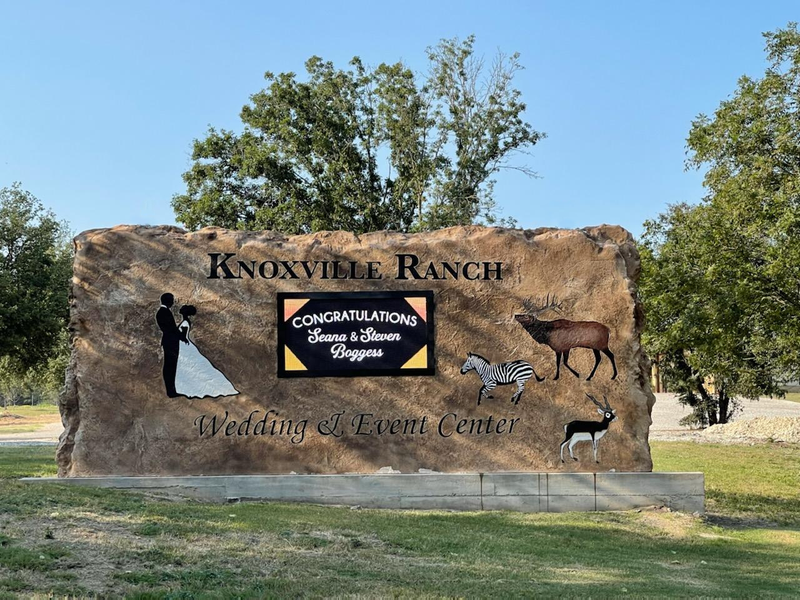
(588, 431)
(500, 374)
(562, 335)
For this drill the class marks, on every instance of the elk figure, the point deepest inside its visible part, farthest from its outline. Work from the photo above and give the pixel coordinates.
(588, 431)
(562, 335)
(500, 374)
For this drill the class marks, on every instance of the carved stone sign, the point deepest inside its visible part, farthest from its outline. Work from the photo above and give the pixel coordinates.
(342, 334)
(467, 349)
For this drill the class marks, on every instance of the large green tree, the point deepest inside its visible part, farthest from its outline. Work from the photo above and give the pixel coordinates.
(35, 268)
(702, 326)
(721, 281)
(364, 149)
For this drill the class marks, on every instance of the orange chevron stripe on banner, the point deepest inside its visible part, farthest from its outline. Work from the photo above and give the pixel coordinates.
(291, 306)
(420, 305)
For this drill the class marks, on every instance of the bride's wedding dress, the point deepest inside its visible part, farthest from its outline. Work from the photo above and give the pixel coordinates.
(196, 377)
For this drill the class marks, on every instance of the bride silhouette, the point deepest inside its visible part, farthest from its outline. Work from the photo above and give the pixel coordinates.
(196, 377)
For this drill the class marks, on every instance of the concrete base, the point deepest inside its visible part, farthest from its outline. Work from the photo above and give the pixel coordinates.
(525, 492)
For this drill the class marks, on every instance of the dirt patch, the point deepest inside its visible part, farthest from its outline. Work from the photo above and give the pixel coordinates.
(777, 430)
(773, 429)
(764, 420)
(103, 551)
(97, 547)
(673, 524)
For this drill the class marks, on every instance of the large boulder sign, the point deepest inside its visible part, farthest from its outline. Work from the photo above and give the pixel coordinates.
(468, 349)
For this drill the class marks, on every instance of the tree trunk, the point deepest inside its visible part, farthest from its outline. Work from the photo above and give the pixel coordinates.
(711, 407)
(420, 199)
(724, 403)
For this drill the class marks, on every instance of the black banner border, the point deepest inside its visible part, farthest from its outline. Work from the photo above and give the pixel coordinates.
(427, 294)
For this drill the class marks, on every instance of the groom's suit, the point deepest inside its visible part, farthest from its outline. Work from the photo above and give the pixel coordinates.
(170, 340)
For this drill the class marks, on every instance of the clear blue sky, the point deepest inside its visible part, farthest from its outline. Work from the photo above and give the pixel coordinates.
(99, 102)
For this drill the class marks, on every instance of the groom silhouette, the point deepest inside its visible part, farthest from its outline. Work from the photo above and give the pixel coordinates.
(171, 339)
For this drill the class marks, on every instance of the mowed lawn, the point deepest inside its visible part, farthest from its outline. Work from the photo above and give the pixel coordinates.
(66, 540)
(22, 419)
(792, 396)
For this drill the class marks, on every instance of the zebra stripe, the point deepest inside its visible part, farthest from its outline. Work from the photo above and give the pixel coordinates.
(518, 372)
(501, 373)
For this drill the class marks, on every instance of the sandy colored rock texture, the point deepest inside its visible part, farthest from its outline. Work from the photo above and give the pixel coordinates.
(119, 420)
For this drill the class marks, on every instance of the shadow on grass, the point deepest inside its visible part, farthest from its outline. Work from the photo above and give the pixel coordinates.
(253, 549)
(742, 510)
(27, 461)
(263, 549)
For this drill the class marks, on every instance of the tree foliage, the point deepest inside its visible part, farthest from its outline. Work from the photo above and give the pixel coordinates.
(721, 281)
(35, 268)
(39, 384)
(363, 149)
(702, 325)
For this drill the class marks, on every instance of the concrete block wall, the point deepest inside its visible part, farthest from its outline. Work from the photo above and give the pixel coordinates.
(516, 491)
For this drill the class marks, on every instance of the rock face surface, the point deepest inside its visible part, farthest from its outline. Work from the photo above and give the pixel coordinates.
(119, 419)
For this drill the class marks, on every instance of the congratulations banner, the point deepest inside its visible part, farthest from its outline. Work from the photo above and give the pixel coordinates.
(354, 334)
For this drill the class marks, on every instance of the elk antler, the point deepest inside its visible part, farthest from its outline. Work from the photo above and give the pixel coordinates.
(540, 305)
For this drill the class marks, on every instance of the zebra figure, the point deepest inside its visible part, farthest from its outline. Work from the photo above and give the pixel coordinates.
(491, 375)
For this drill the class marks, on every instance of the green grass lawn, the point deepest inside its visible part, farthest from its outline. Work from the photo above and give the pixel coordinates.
(30, 411)
(23, 419)
(792, 396)
(6, 429)
(66, 540)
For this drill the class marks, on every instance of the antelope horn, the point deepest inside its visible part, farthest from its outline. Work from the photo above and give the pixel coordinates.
(608, 406)
(592, 398)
